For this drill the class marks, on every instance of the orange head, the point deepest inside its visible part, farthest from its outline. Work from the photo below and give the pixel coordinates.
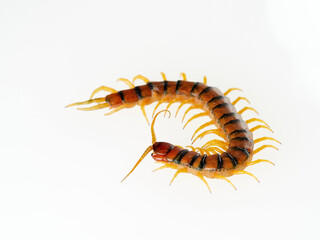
(160, 151)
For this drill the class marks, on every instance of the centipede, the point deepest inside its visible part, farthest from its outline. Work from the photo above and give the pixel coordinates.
(228, 153)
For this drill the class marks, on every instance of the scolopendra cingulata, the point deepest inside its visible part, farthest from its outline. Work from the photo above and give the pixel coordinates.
(215, 159)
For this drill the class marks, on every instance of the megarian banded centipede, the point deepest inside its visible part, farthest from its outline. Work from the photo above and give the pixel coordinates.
(215, 159)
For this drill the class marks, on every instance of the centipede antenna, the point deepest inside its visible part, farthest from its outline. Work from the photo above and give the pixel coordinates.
(126, 81)
(232, 89)
(194, 117)
(163, 76)
(95, 100)
(143, 78)
(149, 149)
(247, 108)
(263, 147)
(154, 139)
(102, 88)
(240, 98)
(264, 139)
(184, 76)
(259, 161)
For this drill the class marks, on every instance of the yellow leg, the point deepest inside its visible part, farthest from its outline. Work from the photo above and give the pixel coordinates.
(142, 106)
(158, 104)
(170, 103)
(163, 76)
(240, 98)
(146, 80)
(102, 88)
(199, 175)
(216, 142)
(259, 161)
(245, 172)
(149, 149)
(115, 110)
(180, 170)
(225, 179)
(202, 127)
(126, 81)
(213, 131)
(265, 138)
(188, 110)
(166, 165)
(204, 79)
(96, 107)
(232, 89)
(180, 106)
(263, 147)
(215, 150)
(194, 117)
(258, 127)
(247, 108)
(95, 100)
(184, 77)
(257, 120)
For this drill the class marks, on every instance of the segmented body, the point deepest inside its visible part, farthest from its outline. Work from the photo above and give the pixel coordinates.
(215, 159)
(215, 104)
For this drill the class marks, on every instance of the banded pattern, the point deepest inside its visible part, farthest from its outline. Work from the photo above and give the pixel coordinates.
(239, 145)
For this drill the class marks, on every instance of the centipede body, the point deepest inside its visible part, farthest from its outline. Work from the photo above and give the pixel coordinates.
(217, 159)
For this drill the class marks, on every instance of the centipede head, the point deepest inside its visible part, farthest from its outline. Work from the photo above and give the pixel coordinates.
(160, 150)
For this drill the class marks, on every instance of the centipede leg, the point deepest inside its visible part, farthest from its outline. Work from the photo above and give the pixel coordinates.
(102, 88)
(232, 89)
(259, 161)
(264, 139)
(257, 120)
(194, 117)
(143, 78)
(163, 76)
(199, 175)
(246, 109)
(142, 106)
(245, 172)
(240, 98)
(260, 126)
(184, 76)
(202, 127)
(263, 147)
(180, 170)
(126, 81)
(225, 179)
(204, 79)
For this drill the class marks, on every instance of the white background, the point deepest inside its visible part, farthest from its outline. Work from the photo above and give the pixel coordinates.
(60, 169)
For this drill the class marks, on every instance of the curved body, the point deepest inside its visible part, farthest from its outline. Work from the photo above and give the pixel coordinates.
(215, 104)
(215, 159)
